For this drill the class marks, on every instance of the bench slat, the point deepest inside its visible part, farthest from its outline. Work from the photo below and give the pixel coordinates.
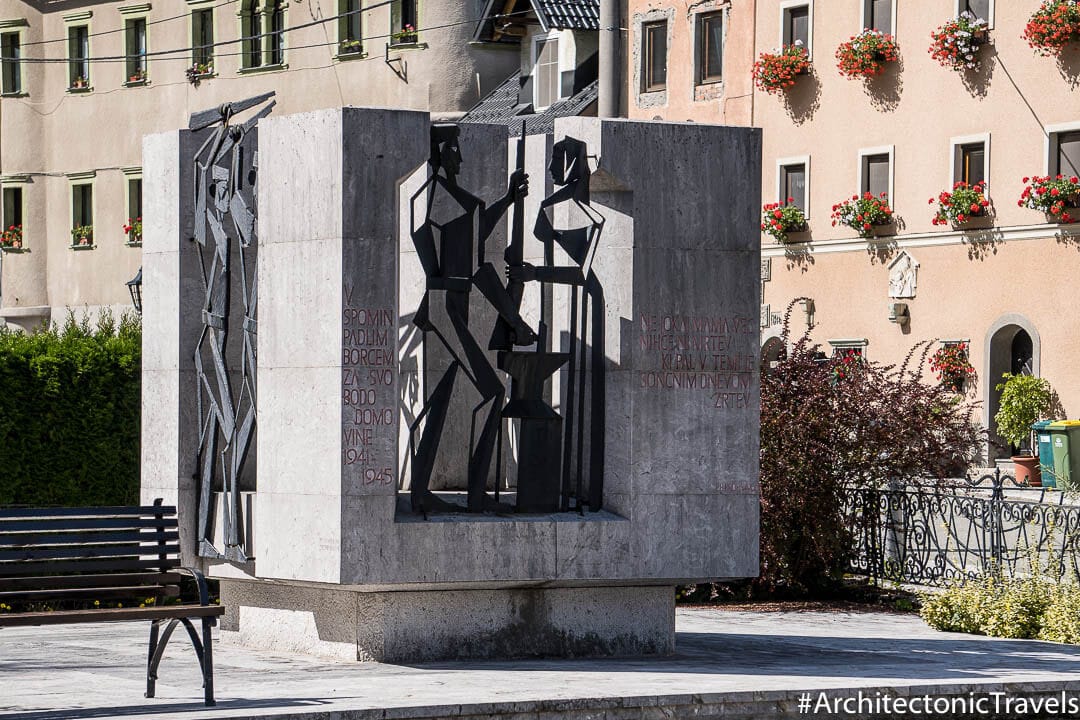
(88, 581)
(119, 564)
(121, 511)
(75, 552)
(89, 537)
(73, 524)
(139, 591)
(66, 617)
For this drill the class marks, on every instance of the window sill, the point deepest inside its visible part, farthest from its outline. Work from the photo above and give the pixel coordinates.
(133, 243)
(14, 249)
(80, 91)
(19, 94)
(346, 56)
(91, 246)
(262, 69)
(709, 81)
(137, 83)
(203, 76)
(408, 46)
(654, 90)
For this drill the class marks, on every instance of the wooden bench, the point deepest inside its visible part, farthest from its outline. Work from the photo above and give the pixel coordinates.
(56, 555)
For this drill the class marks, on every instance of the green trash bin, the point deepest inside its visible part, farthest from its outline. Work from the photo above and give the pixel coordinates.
(1065, 438)
(1046, 451)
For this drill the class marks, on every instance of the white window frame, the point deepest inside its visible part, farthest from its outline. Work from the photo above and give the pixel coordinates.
(954, 156)
(864, 14)
(838, 344)
(786, 5)
(880, 150)
(536, 41)
(130, 173)
(83, 178)
(989, 21)
(1050, 141)
(803, 160)
(194, 5)
(17, 27)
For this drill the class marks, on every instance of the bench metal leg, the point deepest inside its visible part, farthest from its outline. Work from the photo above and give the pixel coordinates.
(208, 660)
(151, 675)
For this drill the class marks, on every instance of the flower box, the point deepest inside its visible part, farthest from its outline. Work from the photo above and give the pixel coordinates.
(82, 236)
(960, 205)
(776, 71)
(1055, 196)
(865, 214)
(350, 47)
(406, 36)
(781, 220)
(133, 230)
(12, 238)
(867, 54)
(956, 43)
(953, 366)
(1053, 26)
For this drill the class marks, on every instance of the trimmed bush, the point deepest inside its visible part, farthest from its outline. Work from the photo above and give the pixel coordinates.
(69, 414)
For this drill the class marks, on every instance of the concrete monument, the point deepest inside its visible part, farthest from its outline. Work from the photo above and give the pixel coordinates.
(508, 391)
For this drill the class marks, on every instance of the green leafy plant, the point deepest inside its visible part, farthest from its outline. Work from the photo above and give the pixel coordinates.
(956, 43)
(953, 365)
(404, 36)
(866, 54)
(863, 212)
(1025, 399)
(12, 237)
(347, 47)
(1053, 26)
(82, 234)
(133, 229)
(1052, 195)
(69, 414)
(776, 71)
(963, 203)
(779, 220)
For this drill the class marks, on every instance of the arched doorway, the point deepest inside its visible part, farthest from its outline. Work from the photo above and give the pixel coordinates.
(772, 352)
(1012, 346)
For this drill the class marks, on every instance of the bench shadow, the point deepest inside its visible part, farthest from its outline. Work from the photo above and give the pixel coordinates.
(152, 707)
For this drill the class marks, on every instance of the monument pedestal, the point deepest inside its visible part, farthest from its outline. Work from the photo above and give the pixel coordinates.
(428, 625)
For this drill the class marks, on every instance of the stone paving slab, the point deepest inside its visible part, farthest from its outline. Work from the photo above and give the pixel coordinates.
(734, 664)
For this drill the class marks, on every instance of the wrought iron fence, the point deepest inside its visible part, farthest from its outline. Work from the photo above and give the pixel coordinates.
(933, 534)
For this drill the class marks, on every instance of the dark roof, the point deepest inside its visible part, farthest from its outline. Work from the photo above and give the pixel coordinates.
(551, 14)
(502, 107)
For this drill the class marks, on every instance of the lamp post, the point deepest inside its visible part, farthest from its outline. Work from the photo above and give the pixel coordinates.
(134, 286)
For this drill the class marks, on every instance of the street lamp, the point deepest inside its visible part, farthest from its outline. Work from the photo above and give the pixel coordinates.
(134, 286)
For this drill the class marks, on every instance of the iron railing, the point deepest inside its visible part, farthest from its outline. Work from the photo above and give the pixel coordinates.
(934, 535)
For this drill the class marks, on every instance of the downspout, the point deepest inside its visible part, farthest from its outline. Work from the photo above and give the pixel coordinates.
(609, 60)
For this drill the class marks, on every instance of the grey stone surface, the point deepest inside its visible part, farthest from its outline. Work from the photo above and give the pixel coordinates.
(726, 664)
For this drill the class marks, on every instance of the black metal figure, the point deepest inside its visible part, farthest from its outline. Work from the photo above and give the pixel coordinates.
(452, 233)
(225, 167)
(538, 481)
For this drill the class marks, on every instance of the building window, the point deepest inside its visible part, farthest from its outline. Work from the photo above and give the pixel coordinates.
(133, 192)
(971, 163)
(10, 54)
(202, 40)
(546, 85)
(855, 349)
(135, 42)
(710, 47)
(13, 208)
(276, 33)
(654, 76)
(876, 174)
(878, 15)
(251, 32)
(796, 26)
(78, 57)
(982, 9)
(1065, 153)
(82, 213)
(403, 22)
(793, 185)
(349, 34)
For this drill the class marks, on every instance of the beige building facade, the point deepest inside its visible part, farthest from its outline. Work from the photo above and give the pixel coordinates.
(1002, 284)
(83, 82)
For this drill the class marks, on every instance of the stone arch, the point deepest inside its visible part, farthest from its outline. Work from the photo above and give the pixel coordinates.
(773, 348)
(1011, 340)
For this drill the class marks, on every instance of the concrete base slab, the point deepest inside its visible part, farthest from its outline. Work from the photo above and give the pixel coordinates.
(726, 664)
(432, 625)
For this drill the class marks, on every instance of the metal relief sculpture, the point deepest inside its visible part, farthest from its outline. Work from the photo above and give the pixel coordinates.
(553, 474)
(225, 170)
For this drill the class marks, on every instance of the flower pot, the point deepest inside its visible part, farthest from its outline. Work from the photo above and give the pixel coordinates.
(84, 241)
(1026, 469)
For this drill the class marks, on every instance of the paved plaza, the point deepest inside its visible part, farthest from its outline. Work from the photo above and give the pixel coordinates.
(735, 664)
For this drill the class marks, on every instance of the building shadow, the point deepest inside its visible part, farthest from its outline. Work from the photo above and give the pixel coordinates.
(273, 705)
(802, 100)
(977, 80)
(982, 242)
(799, 255)
(1068, 63)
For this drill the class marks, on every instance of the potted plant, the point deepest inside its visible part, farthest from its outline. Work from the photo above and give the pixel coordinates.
(82, 235)
(405, 36)
(862, 213)
(133, 229)
(961, 205)
(11, 239)
(349, 47)
(866, 54)
(1053, 26)
(779, 219)
(953, 366)
(1025, 399)
(79, 83)
(137, 77)
(956, 43)
(198, 71)
(1055, 196)
(776, 71)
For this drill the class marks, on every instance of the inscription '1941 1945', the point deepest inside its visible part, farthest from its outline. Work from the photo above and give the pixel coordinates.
(368, 395)
(705, 353)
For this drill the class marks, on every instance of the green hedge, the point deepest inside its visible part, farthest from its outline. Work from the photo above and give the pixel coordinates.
(69, 414)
